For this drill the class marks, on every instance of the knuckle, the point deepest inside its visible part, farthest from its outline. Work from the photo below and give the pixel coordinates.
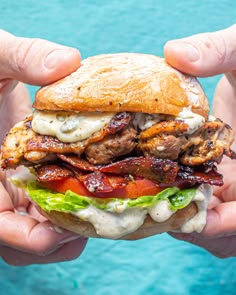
(24, 52)
(217, 44)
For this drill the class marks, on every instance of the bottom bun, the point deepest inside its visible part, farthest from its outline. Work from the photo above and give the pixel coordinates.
(149, 227)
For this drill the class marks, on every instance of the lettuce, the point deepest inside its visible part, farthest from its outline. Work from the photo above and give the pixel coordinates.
(70, 202)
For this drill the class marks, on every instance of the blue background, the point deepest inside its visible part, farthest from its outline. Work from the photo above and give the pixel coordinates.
(157, 265)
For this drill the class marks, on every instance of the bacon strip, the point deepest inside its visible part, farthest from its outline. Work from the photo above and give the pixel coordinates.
(53, 172)
(154, 169)
(119, 122)
(77, 162)
(98, 182)
(202, 175)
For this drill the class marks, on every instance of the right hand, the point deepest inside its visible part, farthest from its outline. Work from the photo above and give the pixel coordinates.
(206, 55)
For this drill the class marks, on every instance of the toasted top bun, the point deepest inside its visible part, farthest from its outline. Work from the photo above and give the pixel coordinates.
(124, 82)
(149, 227)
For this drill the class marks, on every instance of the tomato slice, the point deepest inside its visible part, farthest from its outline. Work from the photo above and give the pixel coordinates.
(133, 189)
(71, 183)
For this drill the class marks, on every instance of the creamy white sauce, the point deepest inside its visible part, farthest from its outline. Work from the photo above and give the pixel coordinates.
(193, 120)
(197, 222)
(144, 121)
(117, 206)
(161, 211)
(211, 118)
(78, 126)
(69, 126)
(113, 225)
(120, 221)
(160, 148)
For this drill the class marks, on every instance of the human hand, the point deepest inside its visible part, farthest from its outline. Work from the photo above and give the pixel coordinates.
(205, 55)
(26, 237)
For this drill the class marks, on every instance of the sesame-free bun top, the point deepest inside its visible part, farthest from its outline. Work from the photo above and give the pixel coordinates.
(130, 82)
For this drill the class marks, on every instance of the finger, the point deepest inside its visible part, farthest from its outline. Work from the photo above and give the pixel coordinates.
(25, 233)
(214, 201)
(224, 102)
(66, 252)
(17, 105)
(15, 197)
(221, 221)
(35, 61)
(220, 247)
(204, 54)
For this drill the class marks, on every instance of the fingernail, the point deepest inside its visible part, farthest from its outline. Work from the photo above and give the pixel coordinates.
(190, 51)
(54, 58)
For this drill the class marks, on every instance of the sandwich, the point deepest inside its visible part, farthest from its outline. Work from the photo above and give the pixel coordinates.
(122, 148)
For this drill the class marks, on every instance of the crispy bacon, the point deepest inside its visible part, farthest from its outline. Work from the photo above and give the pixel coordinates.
(201, 174)
(53, 172)
(154, 169)
(119, 122)
(108, 180)
(77, 162)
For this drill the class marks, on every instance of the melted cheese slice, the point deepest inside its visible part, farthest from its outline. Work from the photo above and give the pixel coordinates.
(68, 126)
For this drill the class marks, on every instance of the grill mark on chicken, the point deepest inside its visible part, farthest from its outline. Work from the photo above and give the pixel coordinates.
(23, 146)
(173, 127)
(208, 143)
(213, 141)
(164, 147)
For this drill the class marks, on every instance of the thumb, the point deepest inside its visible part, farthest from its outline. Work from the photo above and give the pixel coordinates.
(203, 55)
(35, 61)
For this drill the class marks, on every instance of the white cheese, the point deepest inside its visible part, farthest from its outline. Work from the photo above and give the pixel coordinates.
(69, 126)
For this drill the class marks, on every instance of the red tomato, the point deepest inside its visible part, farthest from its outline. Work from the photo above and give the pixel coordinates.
(73, 184)
(134, 189)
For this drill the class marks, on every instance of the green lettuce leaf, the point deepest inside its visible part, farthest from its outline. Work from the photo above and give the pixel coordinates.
(70, 202)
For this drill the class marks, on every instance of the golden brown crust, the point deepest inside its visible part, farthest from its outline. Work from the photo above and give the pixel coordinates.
(124, 82)
(149, 228)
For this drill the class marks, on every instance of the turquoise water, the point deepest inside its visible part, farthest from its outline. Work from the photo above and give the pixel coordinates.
(157, 265)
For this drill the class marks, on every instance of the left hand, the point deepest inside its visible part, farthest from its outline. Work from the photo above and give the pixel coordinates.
(26, 237)
(207, 55)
